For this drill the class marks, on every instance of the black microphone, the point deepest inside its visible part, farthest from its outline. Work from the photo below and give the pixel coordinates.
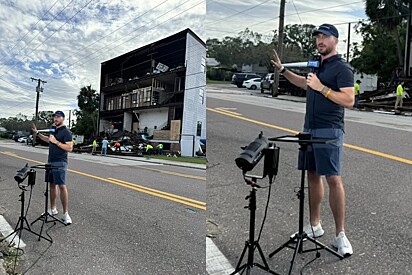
(314, 64)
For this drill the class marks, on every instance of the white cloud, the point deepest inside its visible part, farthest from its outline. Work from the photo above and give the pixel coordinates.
(70, 58)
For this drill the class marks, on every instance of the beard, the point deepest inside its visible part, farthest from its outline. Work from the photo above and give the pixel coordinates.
(325, 50)
(58, 123)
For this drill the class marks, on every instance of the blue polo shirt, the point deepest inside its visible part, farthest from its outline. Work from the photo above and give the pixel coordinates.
(321, 112)
(56, 154)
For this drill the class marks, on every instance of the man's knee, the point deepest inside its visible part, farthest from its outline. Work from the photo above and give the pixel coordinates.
(334, 181)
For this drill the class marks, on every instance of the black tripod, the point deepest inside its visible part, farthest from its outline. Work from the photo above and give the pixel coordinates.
(46, 215)
(252, 244)
(304, 140)
(22, 221)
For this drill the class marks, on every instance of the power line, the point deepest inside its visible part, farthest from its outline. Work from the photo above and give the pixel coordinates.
(242, 11)
(44, 15)
(36, 35)
(133, 37)
(293, 2)
(230, 8)
(49, 36)
(308, 11)
(86, 47)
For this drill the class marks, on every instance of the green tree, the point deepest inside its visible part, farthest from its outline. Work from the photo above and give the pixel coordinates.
(389, 14)
(86, 116)
(378, 52)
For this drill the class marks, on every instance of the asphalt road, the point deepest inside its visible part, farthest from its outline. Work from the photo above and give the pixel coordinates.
(120, 226)
(376, 172)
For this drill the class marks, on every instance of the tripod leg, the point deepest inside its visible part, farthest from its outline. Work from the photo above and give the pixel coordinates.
(316, 242)
(294, 255)
(286, 244)
(262, 256)
(238, 267)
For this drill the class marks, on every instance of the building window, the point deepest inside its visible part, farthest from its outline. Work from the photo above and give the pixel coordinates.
(199, 129)
(201, 96)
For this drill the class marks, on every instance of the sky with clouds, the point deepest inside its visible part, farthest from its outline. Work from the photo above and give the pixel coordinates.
(229, 17)
(64, 42)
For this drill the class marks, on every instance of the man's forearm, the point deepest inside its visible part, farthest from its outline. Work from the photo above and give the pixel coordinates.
(68, 147)
(43, 137)
(295, 79)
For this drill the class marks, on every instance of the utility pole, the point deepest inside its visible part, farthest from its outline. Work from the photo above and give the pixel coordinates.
(348, 45)
(275, 86)
(38, 90)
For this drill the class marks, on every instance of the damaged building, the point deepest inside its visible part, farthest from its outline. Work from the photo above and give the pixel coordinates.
(160, 90)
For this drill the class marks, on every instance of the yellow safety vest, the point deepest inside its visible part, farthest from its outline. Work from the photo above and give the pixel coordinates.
(399, 90)
(357, 88)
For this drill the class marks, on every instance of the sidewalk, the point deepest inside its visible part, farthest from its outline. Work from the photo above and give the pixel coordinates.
(162, 161)
(12, 144)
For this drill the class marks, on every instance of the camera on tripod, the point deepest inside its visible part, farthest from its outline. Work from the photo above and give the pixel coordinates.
(25, 172)
(254, 152)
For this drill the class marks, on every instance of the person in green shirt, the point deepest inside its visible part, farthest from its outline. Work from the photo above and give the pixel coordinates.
(94, 146)
(399, 95)
(357, 90)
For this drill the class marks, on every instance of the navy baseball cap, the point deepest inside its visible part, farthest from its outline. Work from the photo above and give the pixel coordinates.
(326, 29)
(58, 113)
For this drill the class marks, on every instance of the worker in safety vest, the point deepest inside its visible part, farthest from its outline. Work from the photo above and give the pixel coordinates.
(94, 146)
(357, 90)
(159, 149)
(399, 95)
(149, 149)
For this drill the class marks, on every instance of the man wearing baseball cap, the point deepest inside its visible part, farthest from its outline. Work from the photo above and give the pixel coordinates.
(328, 92)
(60, 143)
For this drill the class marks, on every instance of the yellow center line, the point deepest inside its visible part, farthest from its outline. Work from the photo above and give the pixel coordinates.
(146, 190)
(354, 147)
(174, 173)
(158, 191)
(229, 112)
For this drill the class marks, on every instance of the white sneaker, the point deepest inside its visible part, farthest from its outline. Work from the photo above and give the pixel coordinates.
(343, 245)
(317, 230)
(66, 219)
(52, 212)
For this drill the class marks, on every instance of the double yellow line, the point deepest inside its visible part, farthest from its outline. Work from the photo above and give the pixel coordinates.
(354, 147)
(146, 190)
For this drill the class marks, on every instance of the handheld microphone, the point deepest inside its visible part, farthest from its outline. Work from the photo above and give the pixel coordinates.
(52, 130)
(314, 64)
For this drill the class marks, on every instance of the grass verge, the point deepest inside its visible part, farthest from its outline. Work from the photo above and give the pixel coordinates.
(209, 81)
(9, 258)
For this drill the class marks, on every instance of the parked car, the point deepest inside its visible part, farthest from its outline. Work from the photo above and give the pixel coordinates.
(16, 137)
(253, 83)
(22, 139)
(267, 82)
(238, 78)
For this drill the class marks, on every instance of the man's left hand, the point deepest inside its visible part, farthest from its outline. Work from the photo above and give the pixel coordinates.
(313, 81)
(52, 139)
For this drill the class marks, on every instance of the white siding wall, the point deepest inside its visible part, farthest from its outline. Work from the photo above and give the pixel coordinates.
(194, 106)
(127, 121)
(151, 118)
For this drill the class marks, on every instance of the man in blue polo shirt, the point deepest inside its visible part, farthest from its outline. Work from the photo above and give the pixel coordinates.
(60, 142)
(328, 92)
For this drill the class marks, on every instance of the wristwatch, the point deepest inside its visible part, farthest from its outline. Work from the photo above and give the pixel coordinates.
(282, 69)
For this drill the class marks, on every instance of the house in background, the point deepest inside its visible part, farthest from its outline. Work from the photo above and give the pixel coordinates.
(159, 89)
